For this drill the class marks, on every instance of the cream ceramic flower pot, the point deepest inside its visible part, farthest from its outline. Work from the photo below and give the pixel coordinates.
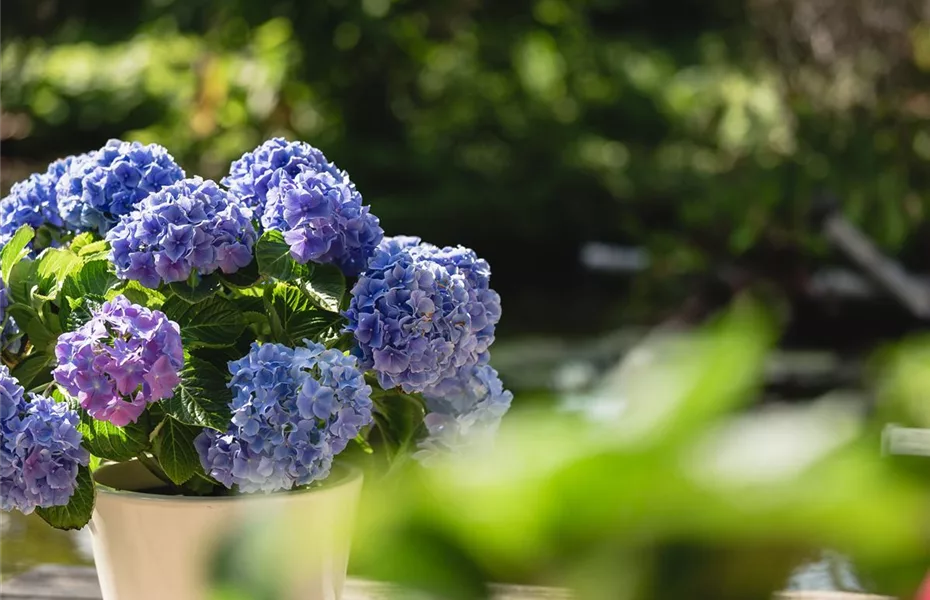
(292, 545)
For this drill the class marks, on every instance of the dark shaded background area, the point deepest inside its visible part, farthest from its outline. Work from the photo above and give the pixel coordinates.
(702, 131)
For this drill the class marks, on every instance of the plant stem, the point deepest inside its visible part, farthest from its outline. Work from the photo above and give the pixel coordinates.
(48, 387)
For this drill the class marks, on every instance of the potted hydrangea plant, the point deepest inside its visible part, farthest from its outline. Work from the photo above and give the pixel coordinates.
(179, 353)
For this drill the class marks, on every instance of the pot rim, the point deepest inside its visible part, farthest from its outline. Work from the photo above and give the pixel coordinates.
(349, 475)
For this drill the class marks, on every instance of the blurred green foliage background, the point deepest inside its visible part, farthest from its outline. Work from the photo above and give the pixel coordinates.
(702, 130)
(692, 493)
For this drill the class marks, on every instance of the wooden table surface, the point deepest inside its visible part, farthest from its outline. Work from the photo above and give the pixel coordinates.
(58, 582)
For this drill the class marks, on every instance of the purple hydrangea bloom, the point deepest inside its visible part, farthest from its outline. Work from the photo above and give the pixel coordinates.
(124, 358)
(464, 412)
(293, 409)
(250, 175)
(190, 226)
(420, 313)
(40, 449)
(322, 217)
(103, 185)
(33, 201)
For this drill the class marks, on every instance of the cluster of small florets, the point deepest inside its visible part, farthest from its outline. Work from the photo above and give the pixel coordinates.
(465, 414)
(33, 201)
(40, 449)
(123, 359)
(190, 226)
(100, 187)
(293, 188)
(293, 409)
(421, 314)
(322, 218)
(250, 176)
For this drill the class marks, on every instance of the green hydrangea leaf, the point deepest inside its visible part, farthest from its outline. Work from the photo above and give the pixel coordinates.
(201, 398)
(214, 322)
(174, 448)
(15, 250)
(273, 256)
(294, 317)
(34, 370)
(197, 290)
(93, 277)
(326, 287)
(52, 268)
(80, 241)
(137, 293)
(243, 278)
(106, 440)
(77, 512)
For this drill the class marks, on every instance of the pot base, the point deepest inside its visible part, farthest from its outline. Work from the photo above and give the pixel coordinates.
(157, 547)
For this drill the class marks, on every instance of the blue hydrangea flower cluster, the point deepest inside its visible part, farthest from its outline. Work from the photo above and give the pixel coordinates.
(464, 414)
(190, 226)
(323, 219)
(123, 359)
(293, 409)
(249, 176)
(420, 314)
(33, 201)
(40, 449)
(96, 190)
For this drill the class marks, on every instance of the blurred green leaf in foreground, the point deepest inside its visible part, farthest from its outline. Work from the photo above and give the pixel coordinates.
(686, 495)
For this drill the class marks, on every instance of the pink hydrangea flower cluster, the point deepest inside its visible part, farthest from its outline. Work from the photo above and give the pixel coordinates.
(124, 358)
